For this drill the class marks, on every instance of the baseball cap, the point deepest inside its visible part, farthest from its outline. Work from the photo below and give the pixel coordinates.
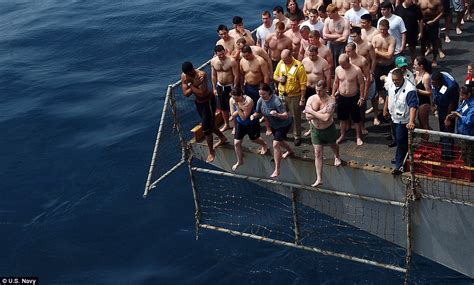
(401, 61)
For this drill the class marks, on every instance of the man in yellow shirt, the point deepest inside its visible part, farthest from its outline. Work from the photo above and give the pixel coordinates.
(291, 78)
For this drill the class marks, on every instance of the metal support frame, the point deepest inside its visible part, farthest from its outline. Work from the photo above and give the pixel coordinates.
(294, 204)
(157, 143)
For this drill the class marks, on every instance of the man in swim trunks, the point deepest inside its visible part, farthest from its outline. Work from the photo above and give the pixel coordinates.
(254, 70)
(242, 106)
(336, 31)
(317, 68)
(384, 45)
(224, 77)
(194, 81)
(432, 11)
(276, 42)
(319, 112)
(349, 87)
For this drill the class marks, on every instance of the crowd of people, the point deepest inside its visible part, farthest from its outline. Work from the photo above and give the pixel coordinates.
(333, 57)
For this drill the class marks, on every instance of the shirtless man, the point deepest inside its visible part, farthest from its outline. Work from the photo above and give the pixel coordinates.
(342, 6)
(254, 70)
(224, 77)
(368, 31)
(304, 31)
(194, 81)
(239, 31)
(276, 42)
(432, 11)
(311, 4)
(372, 6)
(348, 90)
(336, 31)
(384, 46)
(364, 48)
(294, 34)
(319, 112)
(363, 64)
(226, 41)
(323, 50)
(279, 16)
(317, 68)
(256, 50)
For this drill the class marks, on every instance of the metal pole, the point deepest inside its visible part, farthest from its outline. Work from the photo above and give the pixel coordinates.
(413, 188)
(294, 196)
(409, 240)
(157, 143)
(444, 134)
(197, 204)
(312, 249)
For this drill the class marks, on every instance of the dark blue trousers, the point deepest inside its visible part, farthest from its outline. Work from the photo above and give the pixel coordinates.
(401, 137)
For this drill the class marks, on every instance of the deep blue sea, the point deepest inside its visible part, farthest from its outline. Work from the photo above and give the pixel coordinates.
(82, 86)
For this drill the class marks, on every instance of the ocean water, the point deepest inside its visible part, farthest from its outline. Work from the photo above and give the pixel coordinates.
(82, 87)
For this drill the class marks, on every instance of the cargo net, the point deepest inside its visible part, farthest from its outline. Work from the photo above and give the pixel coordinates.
(362, 231)
(444, 167)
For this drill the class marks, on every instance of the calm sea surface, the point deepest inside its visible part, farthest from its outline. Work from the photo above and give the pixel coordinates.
(82, 87)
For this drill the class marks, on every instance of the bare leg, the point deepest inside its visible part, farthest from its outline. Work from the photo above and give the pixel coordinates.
(225, 116)
(343, 126)
(375, 106)
(286, 146)
(318, 162)
(277, 158)
(210, 146)
(238, 154)
(222, 138)
(423, 117)
(358, 127)
(459, 16)
(268, 131)
(264, 148)
(337, 158)
(447, 25)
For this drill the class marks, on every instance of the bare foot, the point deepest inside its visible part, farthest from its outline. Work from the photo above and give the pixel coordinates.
(287, 154)
(307, 133)
(268, 133)
(365, 131)
(275, 174)
(224, 128)
(340, 139)
(235, 166)
(376, 121)
(337, 161)
(370, 110)
(210, 157)
(458, 31)
(360, 142)
(447, 40)
(220, 142)
(317, 183)
(441, 54)
(263, 150)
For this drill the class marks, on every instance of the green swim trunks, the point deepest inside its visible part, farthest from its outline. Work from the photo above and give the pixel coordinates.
(328, 135)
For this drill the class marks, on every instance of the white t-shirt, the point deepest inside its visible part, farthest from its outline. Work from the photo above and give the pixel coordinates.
(354, 16)
(316, 27)
(397, 28)
(262, 33)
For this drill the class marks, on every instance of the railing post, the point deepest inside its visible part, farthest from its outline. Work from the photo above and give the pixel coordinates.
(157, 143)
(197, 201)
(411, 150)
(294, 204)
